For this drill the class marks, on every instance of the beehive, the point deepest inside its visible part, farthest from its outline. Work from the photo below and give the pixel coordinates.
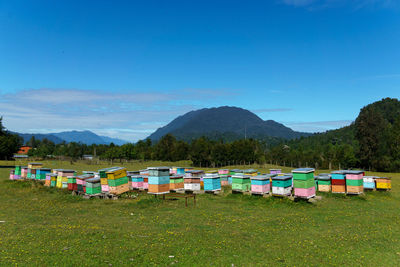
(103, 178)
(304, 183)
(275, 171)
(145, 175)
(158, 180)
(224, 174)
(383, 183)
(118, 181)
(324, 182)
(282, 185)
(24, 172)
(338, 180)
(212, 182)
(369, 182)
(81, 182)
(12, 172)
(137, 181)
(32, 166)
(93, 186)
(49, 179)
(176, 182)
(17, 173)
(41, 173)
(241, 183)
(260, 184)
(354, 182)
(72, 185)
(192, 180)
(251, 172)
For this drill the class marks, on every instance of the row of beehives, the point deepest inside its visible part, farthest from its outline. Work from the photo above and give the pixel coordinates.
(160, 180)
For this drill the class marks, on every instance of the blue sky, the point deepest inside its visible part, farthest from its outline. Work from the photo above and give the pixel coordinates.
(125, 68)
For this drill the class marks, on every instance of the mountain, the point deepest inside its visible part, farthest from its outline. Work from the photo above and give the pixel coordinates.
(84, 137)
(224, 121)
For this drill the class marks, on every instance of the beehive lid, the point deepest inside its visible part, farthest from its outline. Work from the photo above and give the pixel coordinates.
(133, 173)
(84, 176)
(303, 170)
(323, 177)
(250, 171)
(282, 178)
(263, 177)
(176, 177)
(211, 176)
(241, 176)
(93, 180)
(114, 169)
(158, 168)
(235, 170)
(275, 169)
(339, 172)
(354, 172)
(324, 174)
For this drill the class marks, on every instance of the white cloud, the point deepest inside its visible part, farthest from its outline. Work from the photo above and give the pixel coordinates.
(354, 4)
(129, 116)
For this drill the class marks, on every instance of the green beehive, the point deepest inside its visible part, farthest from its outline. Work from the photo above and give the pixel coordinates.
(303, 183)
(118, 182)
(241, 183)
(359, 182)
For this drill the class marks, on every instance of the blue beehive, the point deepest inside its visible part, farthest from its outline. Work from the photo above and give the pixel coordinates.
(212, 182)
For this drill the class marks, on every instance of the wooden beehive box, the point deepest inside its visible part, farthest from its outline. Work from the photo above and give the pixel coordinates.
(212, 182)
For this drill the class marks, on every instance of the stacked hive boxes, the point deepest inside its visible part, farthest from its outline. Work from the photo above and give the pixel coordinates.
(260, 184)
(104, 180)
(117, 181)
(241, 183)
(338, 179)
(51, 180)
(324, 182)
(81, 182)
(62, 177)
(24, 172)
(383, 183)
(304, 183)
(93, 186)
(176, 182)
(72, 185)
(32, 169)
(354, 182)
(17, 173)
(282, 185)
(136, 182)
(145, 175)
(223, 174)
(212, 182)
(369, 182)
(192, 181)
(12, 173)
(41, 173)
(158, 180)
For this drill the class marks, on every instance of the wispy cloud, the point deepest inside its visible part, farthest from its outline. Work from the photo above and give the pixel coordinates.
(130, 116)
(313, 5)
(317, 126)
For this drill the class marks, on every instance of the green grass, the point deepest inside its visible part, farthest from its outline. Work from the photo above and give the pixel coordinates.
(48, 226)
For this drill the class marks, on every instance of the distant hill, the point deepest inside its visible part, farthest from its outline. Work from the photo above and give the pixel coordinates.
(224, 121)
(84, 137)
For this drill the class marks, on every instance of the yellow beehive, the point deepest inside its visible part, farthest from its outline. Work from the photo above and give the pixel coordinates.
(116, 174)
(383, 183)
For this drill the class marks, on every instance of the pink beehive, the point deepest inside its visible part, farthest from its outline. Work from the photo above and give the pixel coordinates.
(304, 192)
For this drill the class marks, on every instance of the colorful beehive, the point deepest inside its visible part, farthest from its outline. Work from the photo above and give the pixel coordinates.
(41, 173)
(102, 174)
(224, 176)
(32, 166)
(12, 172)
(354, 182)
(145, 175)
(72, 185)
(17, 173)
(48, 180)
(282, 185)
(212, 182)
(180, 170)
(176, 182)
(81, 182)
(173, 170)
(192, 180)
(251, 172)
(338, 180)
(62, 177)
(136, 181)
(324, 182)
(24, 172)
(369, 182)
(261, 184)
(241, 183)
(53, 180)
(383, 183)
(118, 182)
(158, 180)
(93, 186)
(304, 183)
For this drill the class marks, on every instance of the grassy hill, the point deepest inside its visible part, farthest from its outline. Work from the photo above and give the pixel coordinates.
(47, 226)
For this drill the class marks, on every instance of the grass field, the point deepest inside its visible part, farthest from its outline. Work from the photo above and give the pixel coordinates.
(48, 226)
